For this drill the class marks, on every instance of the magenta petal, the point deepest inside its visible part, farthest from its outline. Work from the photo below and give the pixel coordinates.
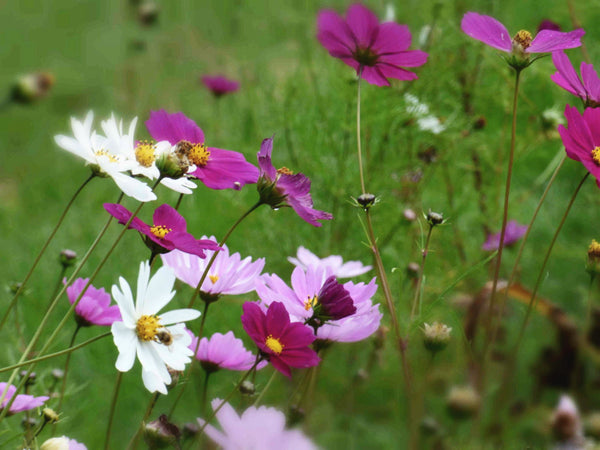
(297, 335)
(374, 76)
(253, 321)
(408, 58)
(590, 81)
(550, 41)
(169, 217)
(300, 357)
(566, 77)
(280, 365)
(278, 319)
(487, 30)
(390, 71)
(364, 25)
(226, 169)
(264, 159)
(176, 127)
(591, 116)
(393, 38)
(123, 215)
(334, 34)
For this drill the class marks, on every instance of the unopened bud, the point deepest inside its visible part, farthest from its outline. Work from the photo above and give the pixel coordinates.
(593, 258)
(566, 423)
(409, 215)
(480, 123)
(28, 423)
(173, 164)
(161, 433)
(32, 87)
(463, 401)
(434, 218)
(190, 430)
(49, 415)
(366, 200)
(67, 258)
(57, 374)
(436, 336)
(14, 287)
(247, 387)
(413, 270)
(30, 377)
(148, 13)
(295, 415)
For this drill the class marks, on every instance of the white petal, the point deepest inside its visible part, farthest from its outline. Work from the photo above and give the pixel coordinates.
(159, 291)
(126, 341)
(142, 288)
(153, 382)
(178, 315)
(151, 360)
(124, 300)
(132, 187)
(174, 356)
(181, 185)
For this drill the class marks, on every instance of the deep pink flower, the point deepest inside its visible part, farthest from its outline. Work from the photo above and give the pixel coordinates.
(94, 307)
(168, 230)
(281, 187)
(283, 343)
(219, 85)
(377, 51)
(513, 233)
(588, 88)
(223, 351)
(22, 402)
(216, 168)
(582, 138)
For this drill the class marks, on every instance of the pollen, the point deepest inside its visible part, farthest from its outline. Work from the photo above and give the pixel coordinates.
(144, 153)
(147, 327)
(110, 156)
(199, 155)
(596, 155)
(523, 38)
(285, 171)
(311, 302)
(160, 231)
(213, 278)
(274, 345)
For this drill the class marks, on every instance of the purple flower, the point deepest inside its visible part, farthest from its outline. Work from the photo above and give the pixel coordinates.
(256, 428)
(566, 77)
(228, 275)
(219, 85)
(281, 187)
(22, 402)
(223, 351)
(513, 233)
(377, 51)
(216, 168)
(334, 263)
(167, 232)
(94, 307)
(283, 343)
(491, 32)
(582, 139)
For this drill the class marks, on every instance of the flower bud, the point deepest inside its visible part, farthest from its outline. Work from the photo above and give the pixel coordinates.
(593, 258)
(434, 218)
(57, 374)
(436, 336)
(566, 423)
(56, 443)
(247, 388)
(67, 258)
(161, 433)
(463, 402)
(148, 13)
(409, 215)
(269, 194)
(49, 415)
(190, 430)
(32, 87)
(30, 377)
(413, 270)
(173, 164)
(366, 200)
(296, 415)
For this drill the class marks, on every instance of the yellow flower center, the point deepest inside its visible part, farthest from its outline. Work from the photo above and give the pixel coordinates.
(160, 231)
(144, 153)
(110, 156)
(285, 171)
(523, 38)
(147, 327)
(311, 302)
(596, 155)
(274, 344)
(199, 155)
(213, 278)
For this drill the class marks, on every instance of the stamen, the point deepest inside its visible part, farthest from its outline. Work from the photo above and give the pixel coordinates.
(213, 278)
(274, 344)
(110, 156)
(160, 231)
(144, 153)
(285, 171)
(523, 38)
(596, 155)
(199, 155)
(147, 327)
(310, 303)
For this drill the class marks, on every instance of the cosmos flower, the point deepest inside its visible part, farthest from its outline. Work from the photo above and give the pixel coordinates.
(281, 187)
(223, 351)
(587, 89)
(219, 85)
(146, 333)
(228, 275)
(581, 138)
(62, 443)
(491, 32)
(216, 168)
(105, 156)
(256, 428)
(282, 343)
(167, 232)
(513, 233)
(22, 402)
(377, 51)
(94, 307)
(334, 263)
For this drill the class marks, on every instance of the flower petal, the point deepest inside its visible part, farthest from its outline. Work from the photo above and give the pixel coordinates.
(487, 30)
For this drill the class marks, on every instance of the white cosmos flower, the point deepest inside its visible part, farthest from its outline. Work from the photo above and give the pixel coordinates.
(159, 340)
(305, 258)
(105, 155)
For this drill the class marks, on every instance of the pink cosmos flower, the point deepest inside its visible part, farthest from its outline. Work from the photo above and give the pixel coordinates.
(223, 351)
(281, 187)
(491, 32)
(22, 402)
(216, 168)
(588, 88)
(582, 138)
(167, 232)
(513, 233)
(257, 428)
(335, 263)
(284, 344)
(377, 51)
(94, 307)
(219, 85)
(228, 275)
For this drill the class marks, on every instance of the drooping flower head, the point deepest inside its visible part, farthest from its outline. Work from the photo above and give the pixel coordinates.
(22, 402)
(281, 187)
(587, 88)
(219, 85)
(146, 333)
(223, 351)
(284, 344)
(94, 307)
(228, 275)
(581, 138)
(216, 168)
(167, 232)
(377, 51)
(493, 33)
(257, 428)
(62, 443)
(512, 234)
(334, 263)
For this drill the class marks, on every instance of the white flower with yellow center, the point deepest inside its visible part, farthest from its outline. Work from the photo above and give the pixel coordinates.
(159, 340)
(104, 155)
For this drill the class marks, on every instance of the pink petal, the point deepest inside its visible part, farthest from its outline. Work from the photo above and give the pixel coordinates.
(550, 41)
(392, 38)
(363, 24)
(566, 77)
(487, 30)
(176, 127)
(333, 34)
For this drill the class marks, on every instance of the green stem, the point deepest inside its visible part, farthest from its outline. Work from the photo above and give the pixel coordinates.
(265, 389)
(358, 143)
(205, 391)
(113, 405)
(65, 372)
(151, 405)
(421, 275)
(178, 204)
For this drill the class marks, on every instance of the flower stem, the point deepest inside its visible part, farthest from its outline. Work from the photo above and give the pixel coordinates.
(65, 372)
(205, 391)
(417, 297)
(358, 144)
(113, 405)
(178, 204)
(265, 389)
(44, 247)
(149, 408)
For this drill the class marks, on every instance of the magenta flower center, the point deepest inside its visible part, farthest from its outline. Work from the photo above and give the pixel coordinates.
(147, 327)
(365, 56)
(144, 153)
(523, 38)
(160, 231)
(596, 155)
(310, 303)
(274, 344)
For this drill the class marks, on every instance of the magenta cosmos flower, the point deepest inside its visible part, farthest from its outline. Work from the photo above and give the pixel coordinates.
(335, 263)
(257, 428)
(219, 85)
(587, 89)
(22, 402)
(377, 51)
(282, 343)
(491, 32)
(216, 168)
(582, 138)
(94, 307)
(223, 351)
(281, 187)
(513, 233)
(167, 232)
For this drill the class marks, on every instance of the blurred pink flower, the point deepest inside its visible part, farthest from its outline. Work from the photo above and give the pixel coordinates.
(62, 443)
(94, 307)
(22, 402)
(513, 233)
(587, 89)
(219, 85)
(335, 263)
(223, 351)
